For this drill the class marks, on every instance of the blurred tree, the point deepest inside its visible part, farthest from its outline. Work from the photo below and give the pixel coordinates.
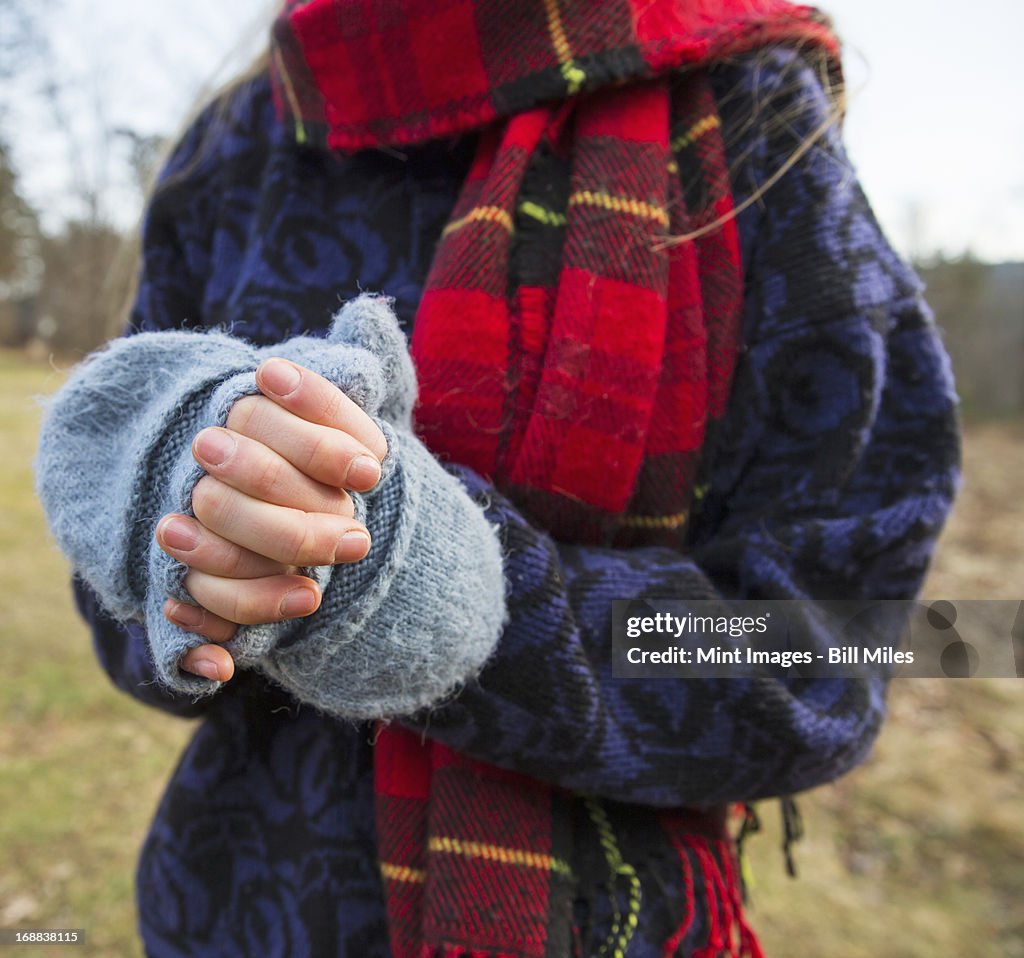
(84, 292)
(81, 262)
(144, 153)
(21, 265)
(21, 44)
(980, 307)
(59, 288)
(19, 34)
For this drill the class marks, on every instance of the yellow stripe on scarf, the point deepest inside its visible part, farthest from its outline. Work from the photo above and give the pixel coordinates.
(403, 873)
(499, 853)
(484, 214)
(574, 76)
(675, 521)
(695, 132)
(619, 204)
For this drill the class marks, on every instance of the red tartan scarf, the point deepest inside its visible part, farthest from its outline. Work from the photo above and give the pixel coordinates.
(566, 347)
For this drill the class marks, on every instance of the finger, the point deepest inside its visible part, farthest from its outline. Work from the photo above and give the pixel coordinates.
(324, 453)
(189, 541)
(311, 397)
(254, 601)
(201, 621)
(280, 533)
(257, 470)
(209, 661)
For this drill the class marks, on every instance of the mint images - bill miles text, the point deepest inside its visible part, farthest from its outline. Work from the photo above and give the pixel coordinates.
(845, 655)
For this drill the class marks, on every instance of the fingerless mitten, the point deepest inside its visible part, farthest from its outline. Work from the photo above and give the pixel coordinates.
(395, 632)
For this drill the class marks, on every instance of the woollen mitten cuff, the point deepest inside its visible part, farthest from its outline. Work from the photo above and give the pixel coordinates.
(114, 457)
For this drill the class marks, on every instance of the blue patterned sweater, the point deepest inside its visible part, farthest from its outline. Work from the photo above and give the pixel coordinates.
(831, 477)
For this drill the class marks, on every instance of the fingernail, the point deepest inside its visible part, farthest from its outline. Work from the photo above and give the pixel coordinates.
(206, 668)
(185, 615)
(280, 377)
(215, 445)
(363, 473)
(178, 533)
(298, 602)
(354, 545)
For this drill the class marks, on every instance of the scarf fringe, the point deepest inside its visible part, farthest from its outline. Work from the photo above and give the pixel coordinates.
(728, 932)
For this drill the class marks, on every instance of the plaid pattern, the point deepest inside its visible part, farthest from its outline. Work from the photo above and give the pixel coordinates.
(474, 859)
(593, 378)
(567, 348)
(358, 73)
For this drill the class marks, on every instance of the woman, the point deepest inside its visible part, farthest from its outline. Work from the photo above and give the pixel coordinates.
(662, 349)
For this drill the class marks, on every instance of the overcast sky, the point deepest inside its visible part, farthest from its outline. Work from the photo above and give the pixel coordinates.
(936, 126)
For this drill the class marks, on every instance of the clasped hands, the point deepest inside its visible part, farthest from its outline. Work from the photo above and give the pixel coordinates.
(274, 500)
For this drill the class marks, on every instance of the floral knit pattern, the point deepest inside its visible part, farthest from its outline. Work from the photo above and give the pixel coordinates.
(830, 477)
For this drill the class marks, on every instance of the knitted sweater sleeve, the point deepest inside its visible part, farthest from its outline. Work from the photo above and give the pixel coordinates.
(832, 477)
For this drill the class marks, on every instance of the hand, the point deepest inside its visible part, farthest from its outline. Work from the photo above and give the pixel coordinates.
(273, 500)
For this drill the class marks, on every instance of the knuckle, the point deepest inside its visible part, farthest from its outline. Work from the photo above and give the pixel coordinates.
(308, 551)
(233, 561)
(315, 544)
(346, 506)
(217, 629)
(222, 630)
(328, 402)
(293, 545)
(266, 476)
(325, 460)
(243, 413)
(257, 601)
(238, 605)
(215, 506)
(207, 499)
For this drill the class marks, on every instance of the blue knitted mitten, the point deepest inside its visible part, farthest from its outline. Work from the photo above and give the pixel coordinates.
(397, 631)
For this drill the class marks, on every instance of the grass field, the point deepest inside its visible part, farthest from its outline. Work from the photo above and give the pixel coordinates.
(920, 852)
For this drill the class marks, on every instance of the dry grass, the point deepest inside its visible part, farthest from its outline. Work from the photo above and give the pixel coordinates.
(920, 852)
(81, 766)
